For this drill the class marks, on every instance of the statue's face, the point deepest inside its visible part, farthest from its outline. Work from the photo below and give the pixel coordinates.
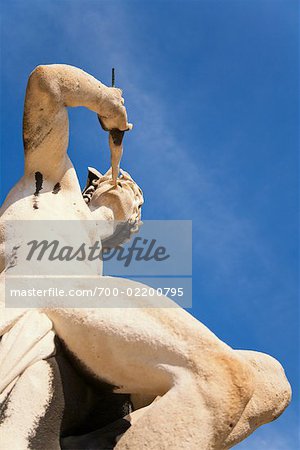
(124, 200)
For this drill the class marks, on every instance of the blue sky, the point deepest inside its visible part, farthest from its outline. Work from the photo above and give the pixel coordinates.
(212, 89)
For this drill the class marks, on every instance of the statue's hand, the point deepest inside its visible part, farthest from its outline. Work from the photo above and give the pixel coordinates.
(115, 115)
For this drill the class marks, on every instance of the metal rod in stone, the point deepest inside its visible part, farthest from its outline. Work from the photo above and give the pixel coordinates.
(113, 77)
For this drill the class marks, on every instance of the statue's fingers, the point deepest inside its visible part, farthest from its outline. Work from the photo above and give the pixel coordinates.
(101, 121)
(126, 127)
(117, 91)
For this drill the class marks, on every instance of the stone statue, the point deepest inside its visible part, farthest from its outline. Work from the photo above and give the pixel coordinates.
(101, 378)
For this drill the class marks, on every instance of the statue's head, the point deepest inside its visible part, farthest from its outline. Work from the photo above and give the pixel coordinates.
(120, 203)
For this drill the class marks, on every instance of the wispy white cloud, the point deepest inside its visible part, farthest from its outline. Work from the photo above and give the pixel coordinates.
(268, 438)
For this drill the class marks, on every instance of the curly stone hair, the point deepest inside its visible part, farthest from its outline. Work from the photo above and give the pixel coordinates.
(124, 229)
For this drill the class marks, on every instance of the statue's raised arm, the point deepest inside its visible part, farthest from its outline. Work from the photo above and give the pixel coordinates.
(49, 189)
(50, 90)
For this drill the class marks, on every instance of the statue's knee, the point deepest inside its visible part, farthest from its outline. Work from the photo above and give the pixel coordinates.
(239, 375)
(228, 383)
(272, 388)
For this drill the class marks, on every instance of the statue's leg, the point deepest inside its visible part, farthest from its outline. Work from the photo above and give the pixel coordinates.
(204, 385)
(102, 439)
(194, 414)
(89, 404)
(271, 396)
(105, 438)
